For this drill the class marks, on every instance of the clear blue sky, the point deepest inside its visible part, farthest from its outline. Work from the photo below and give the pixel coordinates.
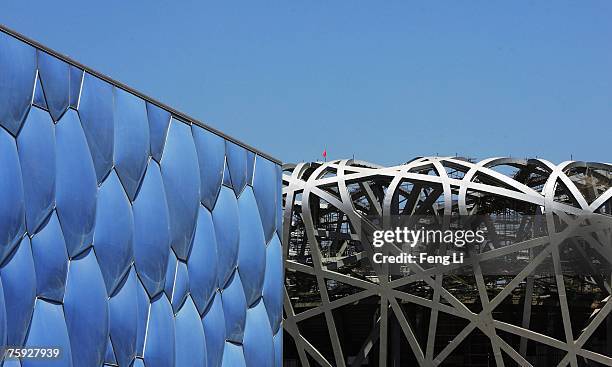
(383, 80)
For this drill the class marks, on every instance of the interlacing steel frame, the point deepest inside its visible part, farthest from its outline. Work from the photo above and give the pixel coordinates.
(535, 182)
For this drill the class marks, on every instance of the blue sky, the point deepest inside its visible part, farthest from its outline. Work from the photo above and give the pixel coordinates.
(382, 80)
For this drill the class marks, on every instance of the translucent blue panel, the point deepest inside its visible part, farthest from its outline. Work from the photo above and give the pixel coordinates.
(273, 283)
(214, 330)
(225, 219)
(55, 76)
(75, 184)
(86, 309)
(233, 356)
(258, 344)
(49, 328)
(19, 283)
(159, 348)
(250, 167)
(36, 146)
(278, 349)
(279, 201)
(159, 120)
(202, 263)
(138, 363)
(181, 286)
(143, 316)
(50, 260)
(181, 175)
(109, 355)
(211, 157)
(114, 231)
(170, 275)
(123, 308)
(227, 177)
(96, 111)
(11, 363)
(237, 163)
(131, 140)
(3, 316)
(39, 95)
(76, 79)
(18, 65)
(234, 309)
(151, 236)
(265, 184)
(12, 211)
(190, 343)
(252, 254)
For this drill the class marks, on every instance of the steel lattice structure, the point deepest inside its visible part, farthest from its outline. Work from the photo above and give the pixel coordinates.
(330, 277)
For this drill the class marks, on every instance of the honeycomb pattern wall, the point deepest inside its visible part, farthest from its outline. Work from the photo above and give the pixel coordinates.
(129, 237)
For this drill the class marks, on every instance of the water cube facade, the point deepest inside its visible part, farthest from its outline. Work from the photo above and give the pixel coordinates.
(129, 235)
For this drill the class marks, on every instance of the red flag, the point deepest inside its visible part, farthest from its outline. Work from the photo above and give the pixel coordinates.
(325, 153)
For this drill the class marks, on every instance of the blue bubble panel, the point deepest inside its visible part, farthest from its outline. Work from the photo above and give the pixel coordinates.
(151, 234)
(11, 363)
(233, 356)
(225, 220)
(180, 171)
(12, 210)
(258, 343)
(114, 231)
(86, 309)
(123, 307)
(211, 158)
(234, 309)
(159, 120)
(55, 76)
(160, 349)
(131, 140)
(49, 329)
(36, 146)
(50, 260)
(75, 184)
(237, 164)
(17, 74)
(19, 284)
(202, 263)
(273, 283)
(265, 187)
(190, 341)
(213, 322)
(96, 112)
(252, 254)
